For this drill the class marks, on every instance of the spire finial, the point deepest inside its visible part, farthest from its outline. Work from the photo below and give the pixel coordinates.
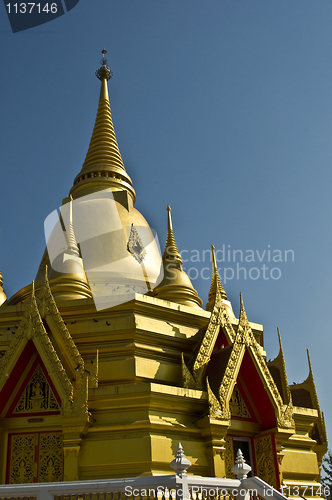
(241, 469)
(243, 319)
(103, 167)
(216, 281)
(180, 463)
(279, 338)
(310, 367)
(171, 253)
(216, 284)
(104, 72)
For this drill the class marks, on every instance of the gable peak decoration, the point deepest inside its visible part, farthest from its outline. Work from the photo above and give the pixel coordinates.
(216, 288)
(32, 328)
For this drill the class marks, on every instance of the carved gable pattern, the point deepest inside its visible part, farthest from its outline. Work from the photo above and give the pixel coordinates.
(237, 405)
(37, 395)
(49, 310)
(31, 327)
(219, 318)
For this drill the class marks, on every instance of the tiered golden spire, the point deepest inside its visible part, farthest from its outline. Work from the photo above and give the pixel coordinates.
(215, 283)
(103, 166)
(175, 285)
(171, 253)
(72, 246)
(67, 275)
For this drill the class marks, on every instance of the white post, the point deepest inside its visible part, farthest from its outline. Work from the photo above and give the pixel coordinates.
(241, 469)
(44, 494)
(180, 464)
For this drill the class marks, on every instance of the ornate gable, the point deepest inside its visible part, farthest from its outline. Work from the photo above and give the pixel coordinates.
(243, 353)
(33, 339)
(32, 327)
(37, 395)
(247, 351)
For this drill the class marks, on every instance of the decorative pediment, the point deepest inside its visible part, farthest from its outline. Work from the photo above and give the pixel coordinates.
(32, 327)
(245, 354)
(32, 332)
(37, 395)
(245, 341)
(219, 318)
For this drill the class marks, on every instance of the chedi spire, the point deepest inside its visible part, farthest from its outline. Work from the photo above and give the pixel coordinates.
(103, 166)
(176, 285)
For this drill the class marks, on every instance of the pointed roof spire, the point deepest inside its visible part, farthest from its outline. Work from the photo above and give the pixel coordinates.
(103, 166)
(243, 319)
(279, 364)
(72, 246)
(175, 285)
(171, 253)
(311, 374)
(215, 283)
(67, 276)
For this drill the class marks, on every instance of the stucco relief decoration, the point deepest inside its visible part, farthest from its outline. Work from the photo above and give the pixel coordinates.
(135, 245)
(50, 457)
(37, 396)
(265, 462)
(22, 455)
(229, 457)
(237, 405)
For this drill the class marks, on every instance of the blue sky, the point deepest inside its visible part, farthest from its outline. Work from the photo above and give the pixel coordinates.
(223, 110)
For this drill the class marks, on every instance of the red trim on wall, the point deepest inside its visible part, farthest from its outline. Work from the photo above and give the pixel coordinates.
(257, 391)
(37, 362)
(15, 374)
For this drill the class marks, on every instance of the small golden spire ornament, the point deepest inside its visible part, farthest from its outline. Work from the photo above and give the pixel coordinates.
(215, 283)
(171, 253)
(104, 72)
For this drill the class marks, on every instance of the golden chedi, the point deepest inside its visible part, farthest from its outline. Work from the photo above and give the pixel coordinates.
(109, 359)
